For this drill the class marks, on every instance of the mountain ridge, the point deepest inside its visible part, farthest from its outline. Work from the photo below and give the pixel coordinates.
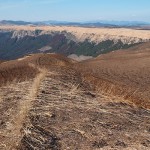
(18, 41)
(98, 23)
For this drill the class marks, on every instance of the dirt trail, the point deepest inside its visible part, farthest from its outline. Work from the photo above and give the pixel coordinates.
(59, 110)
(67, 114)
(15, 102)
(11, 97)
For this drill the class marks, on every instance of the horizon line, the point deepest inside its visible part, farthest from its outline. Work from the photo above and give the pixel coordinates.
(86, 21)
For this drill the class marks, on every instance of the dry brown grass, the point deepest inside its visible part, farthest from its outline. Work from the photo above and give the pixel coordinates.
(62, 110)
(11, 96)
(124, 74)
(69, 115)
(27, 67)
(21, 78)
(23, 107)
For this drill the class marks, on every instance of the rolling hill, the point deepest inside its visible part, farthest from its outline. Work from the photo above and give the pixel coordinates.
(123, 73)
(48, 101)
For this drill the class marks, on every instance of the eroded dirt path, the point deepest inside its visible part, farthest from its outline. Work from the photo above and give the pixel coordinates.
(11, 97)
(15, 101)
(58, 111)
(67, 114)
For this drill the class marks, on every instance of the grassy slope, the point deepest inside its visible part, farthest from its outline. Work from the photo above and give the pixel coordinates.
(122, 73)
(61, 110)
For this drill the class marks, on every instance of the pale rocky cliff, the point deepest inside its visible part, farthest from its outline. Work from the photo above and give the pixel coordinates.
(66, 40)
(80, 34)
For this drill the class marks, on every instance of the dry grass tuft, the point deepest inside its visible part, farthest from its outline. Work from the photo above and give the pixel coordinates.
(23, 107)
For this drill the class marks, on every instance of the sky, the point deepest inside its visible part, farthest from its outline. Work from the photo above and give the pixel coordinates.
(75, 10)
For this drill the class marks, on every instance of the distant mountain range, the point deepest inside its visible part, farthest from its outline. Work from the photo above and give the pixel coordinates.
(10, 22)
(88, 24)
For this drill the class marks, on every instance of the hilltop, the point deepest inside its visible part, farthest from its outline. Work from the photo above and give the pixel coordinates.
(48, 101)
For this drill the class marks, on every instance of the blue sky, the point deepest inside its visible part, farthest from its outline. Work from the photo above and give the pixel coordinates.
(75, 10)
